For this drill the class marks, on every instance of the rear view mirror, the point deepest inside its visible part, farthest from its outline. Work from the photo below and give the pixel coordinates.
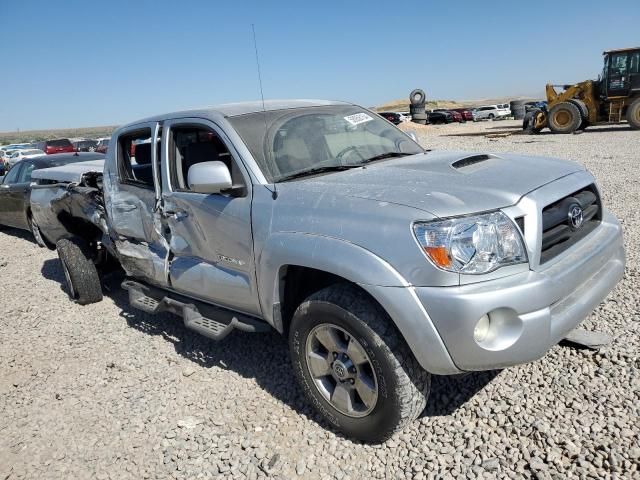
(209, 177)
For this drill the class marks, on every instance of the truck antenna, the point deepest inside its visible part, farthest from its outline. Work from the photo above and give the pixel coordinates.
(264, 109)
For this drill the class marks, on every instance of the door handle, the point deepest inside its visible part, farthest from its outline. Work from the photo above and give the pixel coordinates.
(124, 207)
(177, 215)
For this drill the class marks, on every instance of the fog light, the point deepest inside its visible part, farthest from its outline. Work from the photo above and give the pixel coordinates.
(481, 330)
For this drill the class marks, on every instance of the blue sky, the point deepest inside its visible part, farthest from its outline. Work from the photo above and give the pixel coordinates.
(70, 63)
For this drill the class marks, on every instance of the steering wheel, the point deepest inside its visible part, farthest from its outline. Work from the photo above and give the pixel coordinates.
(346, 151)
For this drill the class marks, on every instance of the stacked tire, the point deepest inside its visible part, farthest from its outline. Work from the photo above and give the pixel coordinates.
(417, 102)
(518, 109)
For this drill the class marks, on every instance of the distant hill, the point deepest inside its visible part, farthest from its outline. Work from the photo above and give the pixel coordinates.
(38, 135)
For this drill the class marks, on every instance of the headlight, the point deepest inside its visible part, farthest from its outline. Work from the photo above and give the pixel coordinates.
(474, 245)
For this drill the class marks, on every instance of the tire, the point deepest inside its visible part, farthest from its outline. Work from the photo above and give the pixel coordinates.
(491, 116)
(564, 117)
(584, 112)
(518, 109)
(401, 386)
(35, 231)
(633, 114)
(417, 97)
(416, 109)
(528, 123)
(83, 282)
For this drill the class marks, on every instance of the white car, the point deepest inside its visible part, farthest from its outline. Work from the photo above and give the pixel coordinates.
(22, 154)
(489, 112)
(404, 116)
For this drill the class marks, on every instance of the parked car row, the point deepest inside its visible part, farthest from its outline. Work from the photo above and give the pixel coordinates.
(11, 154)
(459, 115)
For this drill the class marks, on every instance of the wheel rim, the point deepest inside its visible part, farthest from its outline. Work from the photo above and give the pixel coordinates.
(67, 276)
(563, 118)
(341, 370)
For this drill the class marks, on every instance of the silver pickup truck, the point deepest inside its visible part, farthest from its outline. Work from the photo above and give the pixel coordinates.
(383, 263)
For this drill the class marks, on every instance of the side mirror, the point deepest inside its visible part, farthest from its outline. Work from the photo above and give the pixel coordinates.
(209, 177)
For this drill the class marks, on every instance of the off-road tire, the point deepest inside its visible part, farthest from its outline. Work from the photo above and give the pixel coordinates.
(584, 112)
(417, 97)
(82, 280)
(564, 117)
(403, 386)
(529, 121)
(633, 114)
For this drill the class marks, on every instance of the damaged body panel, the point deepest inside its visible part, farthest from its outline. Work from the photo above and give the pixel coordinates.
(68, 201)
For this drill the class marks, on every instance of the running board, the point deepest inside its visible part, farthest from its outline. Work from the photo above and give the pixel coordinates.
(208, 320)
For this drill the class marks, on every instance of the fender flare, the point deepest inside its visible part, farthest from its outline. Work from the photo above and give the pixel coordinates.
(359, 266)
(344, 259)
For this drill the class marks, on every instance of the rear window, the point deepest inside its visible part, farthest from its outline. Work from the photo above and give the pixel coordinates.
(59, 143)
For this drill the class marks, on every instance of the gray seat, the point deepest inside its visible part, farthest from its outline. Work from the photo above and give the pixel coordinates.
(143, 171)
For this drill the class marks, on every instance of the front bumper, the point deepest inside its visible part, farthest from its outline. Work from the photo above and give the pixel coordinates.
(531, 311)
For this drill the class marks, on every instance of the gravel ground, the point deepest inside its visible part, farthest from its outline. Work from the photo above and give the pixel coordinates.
(104, 391)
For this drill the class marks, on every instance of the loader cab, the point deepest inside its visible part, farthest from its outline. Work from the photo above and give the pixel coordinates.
(621, 73)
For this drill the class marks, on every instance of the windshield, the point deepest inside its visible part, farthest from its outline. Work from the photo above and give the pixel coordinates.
(287, 142)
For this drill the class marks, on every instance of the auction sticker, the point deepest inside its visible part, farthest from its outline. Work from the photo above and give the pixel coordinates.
(358, 118)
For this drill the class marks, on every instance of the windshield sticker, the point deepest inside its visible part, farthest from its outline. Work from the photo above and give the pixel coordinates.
(358, 118)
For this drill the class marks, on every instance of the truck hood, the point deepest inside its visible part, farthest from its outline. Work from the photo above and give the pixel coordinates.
(445, 183)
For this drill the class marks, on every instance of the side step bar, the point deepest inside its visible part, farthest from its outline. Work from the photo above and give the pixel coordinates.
(208, 320)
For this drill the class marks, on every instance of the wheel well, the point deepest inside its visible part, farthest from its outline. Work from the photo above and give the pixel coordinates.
(296, 284)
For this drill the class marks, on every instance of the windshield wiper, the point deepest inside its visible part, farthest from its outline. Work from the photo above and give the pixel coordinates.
(314, 171)
(382, 156)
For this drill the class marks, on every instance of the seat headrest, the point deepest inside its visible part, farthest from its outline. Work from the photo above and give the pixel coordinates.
(143, 153)
(201, 152)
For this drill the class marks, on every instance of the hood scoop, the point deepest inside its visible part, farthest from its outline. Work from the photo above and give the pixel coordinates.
(467, 163)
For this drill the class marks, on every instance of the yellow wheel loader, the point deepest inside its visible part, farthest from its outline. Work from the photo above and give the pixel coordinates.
(610, 99)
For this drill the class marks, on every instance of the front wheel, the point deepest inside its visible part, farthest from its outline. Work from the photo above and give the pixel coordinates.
(80, 273)
(564, 117)
(354, 366)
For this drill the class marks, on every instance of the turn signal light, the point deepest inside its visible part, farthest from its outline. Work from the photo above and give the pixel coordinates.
(439, 255)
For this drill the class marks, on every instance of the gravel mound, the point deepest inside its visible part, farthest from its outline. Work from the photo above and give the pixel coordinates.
(104, 391)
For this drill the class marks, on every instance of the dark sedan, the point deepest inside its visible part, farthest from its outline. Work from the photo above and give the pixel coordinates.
(440, 117)
(15, 189)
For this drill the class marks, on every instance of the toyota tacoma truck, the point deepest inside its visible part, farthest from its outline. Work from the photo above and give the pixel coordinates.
(382, 263)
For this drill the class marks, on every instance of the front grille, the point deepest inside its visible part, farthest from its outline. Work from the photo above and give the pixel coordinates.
(560, 219)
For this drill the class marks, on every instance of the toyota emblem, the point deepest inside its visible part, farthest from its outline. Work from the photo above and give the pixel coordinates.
(576, 218)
